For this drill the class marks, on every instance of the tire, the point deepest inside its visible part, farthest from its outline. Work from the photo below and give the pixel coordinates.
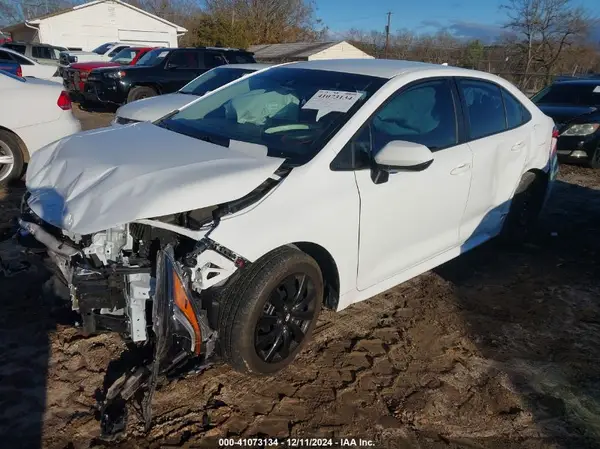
(139, 92)
(10, 148)
(595, 160)
(256, 320)
(524, 209)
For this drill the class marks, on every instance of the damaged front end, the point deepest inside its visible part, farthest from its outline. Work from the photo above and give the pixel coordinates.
(154, 281)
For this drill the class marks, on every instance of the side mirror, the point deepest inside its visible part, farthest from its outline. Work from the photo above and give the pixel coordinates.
(402, 155)
(399, 155)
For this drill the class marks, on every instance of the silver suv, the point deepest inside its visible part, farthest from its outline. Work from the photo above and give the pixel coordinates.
(42, 53)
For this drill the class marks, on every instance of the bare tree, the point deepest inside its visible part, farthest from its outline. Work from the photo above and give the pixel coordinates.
(13, 11)
(544, 29)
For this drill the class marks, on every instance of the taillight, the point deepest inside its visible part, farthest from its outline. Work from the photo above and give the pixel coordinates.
(555, 133)
(19, 72)
(64, 102)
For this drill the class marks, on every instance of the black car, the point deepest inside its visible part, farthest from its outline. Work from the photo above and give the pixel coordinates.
(575, 107)
(160, 71)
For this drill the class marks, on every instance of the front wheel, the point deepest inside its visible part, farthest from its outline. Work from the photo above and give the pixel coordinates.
(139, 92)
(269, 312)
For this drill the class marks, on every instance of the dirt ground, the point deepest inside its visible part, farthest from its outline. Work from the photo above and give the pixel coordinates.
(499, 348)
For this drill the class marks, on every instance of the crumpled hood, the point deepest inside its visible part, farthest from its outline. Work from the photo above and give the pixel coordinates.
(99, 179)
(153, 108)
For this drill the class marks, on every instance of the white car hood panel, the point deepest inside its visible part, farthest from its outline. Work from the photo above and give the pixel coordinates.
(153, 108)
(99, 179)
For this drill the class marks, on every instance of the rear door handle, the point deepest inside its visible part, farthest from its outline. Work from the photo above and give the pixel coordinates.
(518, 146)
(460, 169)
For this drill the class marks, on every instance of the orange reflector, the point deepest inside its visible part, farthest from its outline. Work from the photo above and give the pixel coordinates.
(183, 302)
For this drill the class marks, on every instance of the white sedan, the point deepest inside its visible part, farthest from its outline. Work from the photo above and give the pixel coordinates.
(313, 184)
(31, 67)
(153, 108)
(36, 113)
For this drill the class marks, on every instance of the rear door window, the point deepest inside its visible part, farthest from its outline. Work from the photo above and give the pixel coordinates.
(485, 108)
(185, 59)
(239, 57)
(213, 59)
(41, 52)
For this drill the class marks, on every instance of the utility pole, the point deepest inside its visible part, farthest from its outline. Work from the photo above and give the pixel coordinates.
(387, 35)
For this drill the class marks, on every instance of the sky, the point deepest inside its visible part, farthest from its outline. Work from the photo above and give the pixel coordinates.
(473, 19)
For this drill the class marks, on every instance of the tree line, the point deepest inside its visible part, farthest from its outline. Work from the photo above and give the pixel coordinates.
(541, 38)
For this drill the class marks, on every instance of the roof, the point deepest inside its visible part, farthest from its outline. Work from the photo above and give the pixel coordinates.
(585, 81)
(296, 50)
(37, 20)
(383, 68)
(249, 66)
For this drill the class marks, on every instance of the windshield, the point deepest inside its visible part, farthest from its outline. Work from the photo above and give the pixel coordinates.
(10, 75)
(292, 112)
(102, 49)
(584, 94)
(125, 56)
(153, 57)
(213, 79)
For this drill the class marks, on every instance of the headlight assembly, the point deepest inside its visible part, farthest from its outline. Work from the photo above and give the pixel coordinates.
(115, 75)
(584, 129)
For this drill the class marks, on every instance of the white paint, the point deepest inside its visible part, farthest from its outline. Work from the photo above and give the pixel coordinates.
(378, 234)
(89, 25)
(34, 114)
(31, 67)
(98, 185)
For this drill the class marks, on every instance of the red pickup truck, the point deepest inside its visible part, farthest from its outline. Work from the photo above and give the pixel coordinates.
(75, 76)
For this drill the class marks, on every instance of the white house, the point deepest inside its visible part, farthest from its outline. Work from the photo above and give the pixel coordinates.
(307, 51)
(92, 24)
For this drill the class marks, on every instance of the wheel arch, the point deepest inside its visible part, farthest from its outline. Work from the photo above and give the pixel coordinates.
(329, 269)
(150, 84)
(24, 150)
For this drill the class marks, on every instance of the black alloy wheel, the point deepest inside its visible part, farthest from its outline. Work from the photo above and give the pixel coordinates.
(286, 316)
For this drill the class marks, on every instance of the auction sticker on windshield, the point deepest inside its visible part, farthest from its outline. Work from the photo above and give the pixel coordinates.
(326, 101)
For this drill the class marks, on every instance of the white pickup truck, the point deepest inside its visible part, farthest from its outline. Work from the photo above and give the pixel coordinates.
(103, 53)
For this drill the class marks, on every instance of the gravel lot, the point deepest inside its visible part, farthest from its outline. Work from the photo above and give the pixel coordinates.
(499, 348)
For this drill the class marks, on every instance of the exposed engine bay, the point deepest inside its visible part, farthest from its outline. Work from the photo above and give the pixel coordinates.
(154, 281)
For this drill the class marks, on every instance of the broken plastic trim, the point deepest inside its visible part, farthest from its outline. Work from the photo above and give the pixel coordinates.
(167, 356)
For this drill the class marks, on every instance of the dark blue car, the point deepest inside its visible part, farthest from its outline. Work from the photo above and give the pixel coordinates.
(14, 68)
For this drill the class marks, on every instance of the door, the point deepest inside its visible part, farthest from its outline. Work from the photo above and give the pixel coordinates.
(43, 55)
(182, 67)
(499, 130)
(414, 215)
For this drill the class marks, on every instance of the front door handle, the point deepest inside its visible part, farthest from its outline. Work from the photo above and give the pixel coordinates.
(518, 146)
(460, 169)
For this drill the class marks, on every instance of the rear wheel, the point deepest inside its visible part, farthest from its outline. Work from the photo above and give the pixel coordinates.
(525, 208)
(268, 313)
(139, 92)
(11, 157)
